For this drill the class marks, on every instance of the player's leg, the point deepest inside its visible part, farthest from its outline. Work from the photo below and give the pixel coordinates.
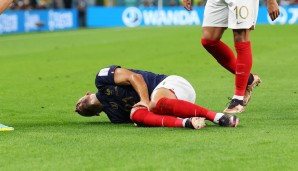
(241, 20)
(214, 24)
(219, 50)
(143, 117)
(253, 80)
(175, 96)
(185, 109)
(243, 67)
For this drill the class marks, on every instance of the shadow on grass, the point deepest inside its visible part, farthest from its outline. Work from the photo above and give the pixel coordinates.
(68, 124)
(98, 124)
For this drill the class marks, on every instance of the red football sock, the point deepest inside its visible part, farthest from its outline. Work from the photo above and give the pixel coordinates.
(222, 53)
(243, 66)
(182, 109)
(143, 117)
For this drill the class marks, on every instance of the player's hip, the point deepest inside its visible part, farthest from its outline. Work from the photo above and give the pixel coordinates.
(235, 14)
(179, 86)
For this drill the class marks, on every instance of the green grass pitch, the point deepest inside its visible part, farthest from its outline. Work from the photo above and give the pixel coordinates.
(42, 75)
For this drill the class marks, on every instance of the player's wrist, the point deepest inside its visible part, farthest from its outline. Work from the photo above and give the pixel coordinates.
(271, 1)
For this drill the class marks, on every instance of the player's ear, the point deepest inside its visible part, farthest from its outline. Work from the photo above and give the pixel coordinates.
(77, 109)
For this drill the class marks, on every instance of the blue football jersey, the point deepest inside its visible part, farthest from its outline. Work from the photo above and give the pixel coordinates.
(118, 100)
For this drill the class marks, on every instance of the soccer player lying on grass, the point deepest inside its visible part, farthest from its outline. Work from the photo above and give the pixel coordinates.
(148, 99)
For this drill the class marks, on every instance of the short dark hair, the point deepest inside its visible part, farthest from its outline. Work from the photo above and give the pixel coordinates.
(86, 112)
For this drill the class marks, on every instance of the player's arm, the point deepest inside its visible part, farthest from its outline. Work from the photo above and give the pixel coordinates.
(124, 76)
(187, 5)
(273, 9)
(4, 4)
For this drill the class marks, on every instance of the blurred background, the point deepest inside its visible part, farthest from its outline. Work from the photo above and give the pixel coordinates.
(51, 15)
(80, 4)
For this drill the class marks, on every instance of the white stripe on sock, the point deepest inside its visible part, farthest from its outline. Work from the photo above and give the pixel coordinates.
(217, 117)
(183, 122)
(238, 97)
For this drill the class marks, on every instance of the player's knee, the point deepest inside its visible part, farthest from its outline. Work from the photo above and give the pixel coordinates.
(156, 104)
(136, 115)
(132, 113)
(152, 106)
(241, 35)
(209, 43)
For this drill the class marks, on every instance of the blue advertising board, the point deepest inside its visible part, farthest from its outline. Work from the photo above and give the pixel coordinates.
(38, 20)
(152, 16)
(288, 15)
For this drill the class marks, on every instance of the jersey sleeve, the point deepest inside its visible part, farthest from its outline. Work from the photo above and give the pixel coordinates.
(106, 76)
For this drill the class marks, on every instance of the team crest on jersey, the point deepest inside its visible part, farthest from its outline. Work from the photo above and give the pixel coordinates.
(104, 72)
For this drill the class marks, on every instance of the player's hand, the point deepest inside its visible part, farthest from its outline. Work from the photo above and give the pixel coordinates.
(142, 104)
(273, 9)
(4, 4)
(187, 5)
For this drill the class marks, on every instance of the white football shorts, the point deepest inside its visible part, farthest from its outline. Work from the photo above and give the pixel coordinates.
(180, 86)
(234, 14)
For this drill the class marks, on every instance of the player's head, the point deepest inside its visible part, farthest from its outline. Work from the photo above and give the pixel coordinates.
(88, 105)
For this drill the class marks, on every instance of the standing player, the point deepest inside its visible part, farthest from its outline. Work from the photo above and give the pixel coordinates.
(3, 5)
(148, 99)
(240, 16)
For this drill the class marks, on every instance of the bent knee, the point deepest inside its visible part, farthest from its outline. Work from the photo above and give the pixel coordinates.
(152, 106)
(132, 112)
(208, 43)
(135, 112)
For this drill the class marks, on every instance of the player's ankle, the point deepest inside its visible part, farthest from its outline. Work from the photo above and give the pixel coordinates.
(239, 98)
(187, 123)
(250, 79)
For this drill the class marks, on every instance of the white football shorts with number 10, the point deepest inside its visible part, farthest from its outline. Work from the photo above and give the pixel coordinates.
(234, 14)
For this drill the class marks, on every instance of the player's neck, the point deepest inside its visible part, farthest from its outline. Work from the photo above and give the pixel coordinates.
(95, 102)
